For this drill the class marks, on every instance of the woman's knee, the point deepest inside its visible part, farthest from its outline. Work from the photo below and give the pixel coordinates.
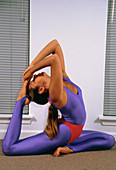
(110, 141)
(6, 149)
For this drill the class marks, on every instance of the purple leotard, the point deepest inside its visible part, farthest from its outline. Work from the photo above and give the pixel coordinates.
(40, 143)
(74, 110)
(73, 113)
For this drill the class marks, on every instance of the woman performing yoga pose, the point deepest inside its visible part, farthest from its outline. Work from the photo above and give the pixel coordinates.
(65, 135)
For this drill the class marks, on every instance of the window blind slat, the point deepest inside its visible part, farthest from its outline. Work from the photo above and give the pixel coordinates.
(110, 67)
(14, 51)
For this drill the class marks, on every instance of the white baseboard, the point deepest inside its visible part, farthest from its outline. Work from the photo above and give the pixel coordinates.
(24, 133)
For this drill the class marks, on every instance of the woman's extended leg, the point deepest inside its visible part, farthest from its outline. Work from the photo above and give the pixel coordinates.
(88, 141)
(37, 144)
(92, 140)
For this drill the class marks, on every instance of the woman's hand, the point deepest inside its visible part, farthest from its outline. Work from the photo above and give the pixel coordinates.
(27, 75)
(22, 92)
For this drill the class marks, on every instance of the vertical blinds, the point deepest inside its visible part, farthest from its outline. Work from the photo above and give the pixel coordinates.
(14, 51)
(110, 67)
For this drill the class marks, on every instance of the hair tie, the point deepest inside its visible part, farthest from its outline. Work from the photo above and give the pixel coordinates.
(49, 100)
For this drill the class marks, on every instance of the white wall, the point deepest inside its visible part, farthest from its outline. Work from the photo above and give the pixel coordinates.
(80, 28)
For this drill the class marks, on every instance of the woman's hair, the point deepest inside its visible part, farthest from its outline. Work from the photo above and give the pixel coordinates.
(33, 95)
(51, 127)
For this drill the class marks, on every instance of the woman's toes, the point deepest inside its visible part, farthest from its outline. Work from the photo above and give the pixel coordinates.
(57, 152)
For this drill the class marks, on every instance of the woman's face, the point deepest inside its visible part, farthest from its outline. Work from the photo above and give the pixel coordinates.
(38, 80)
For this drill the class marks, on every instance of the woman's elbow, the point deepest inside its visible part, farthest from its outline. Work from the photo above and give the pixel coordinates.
(55, 41)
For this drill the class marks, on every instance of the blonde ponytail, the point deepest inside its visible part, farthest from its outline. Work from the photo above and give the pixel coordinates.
(51, 127)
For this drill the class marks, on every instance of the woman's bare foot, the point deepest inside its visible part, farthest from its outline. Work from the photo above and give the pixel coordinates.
(62, 150)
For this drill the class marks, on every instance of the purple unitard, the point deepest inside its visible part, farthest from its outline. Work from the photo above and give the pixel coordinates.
(40, 143)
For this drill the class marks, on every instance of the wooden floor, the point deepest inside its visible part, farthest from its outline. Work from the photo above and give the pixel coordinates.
(91, 160)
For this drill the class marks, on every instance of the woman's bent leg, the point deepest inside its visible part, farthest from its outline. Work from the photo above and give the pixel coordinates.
(37, 144)
(92, 140)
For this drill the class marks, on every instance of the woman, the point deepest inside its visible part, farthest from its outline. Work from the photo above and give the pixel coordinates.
(65, 134)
